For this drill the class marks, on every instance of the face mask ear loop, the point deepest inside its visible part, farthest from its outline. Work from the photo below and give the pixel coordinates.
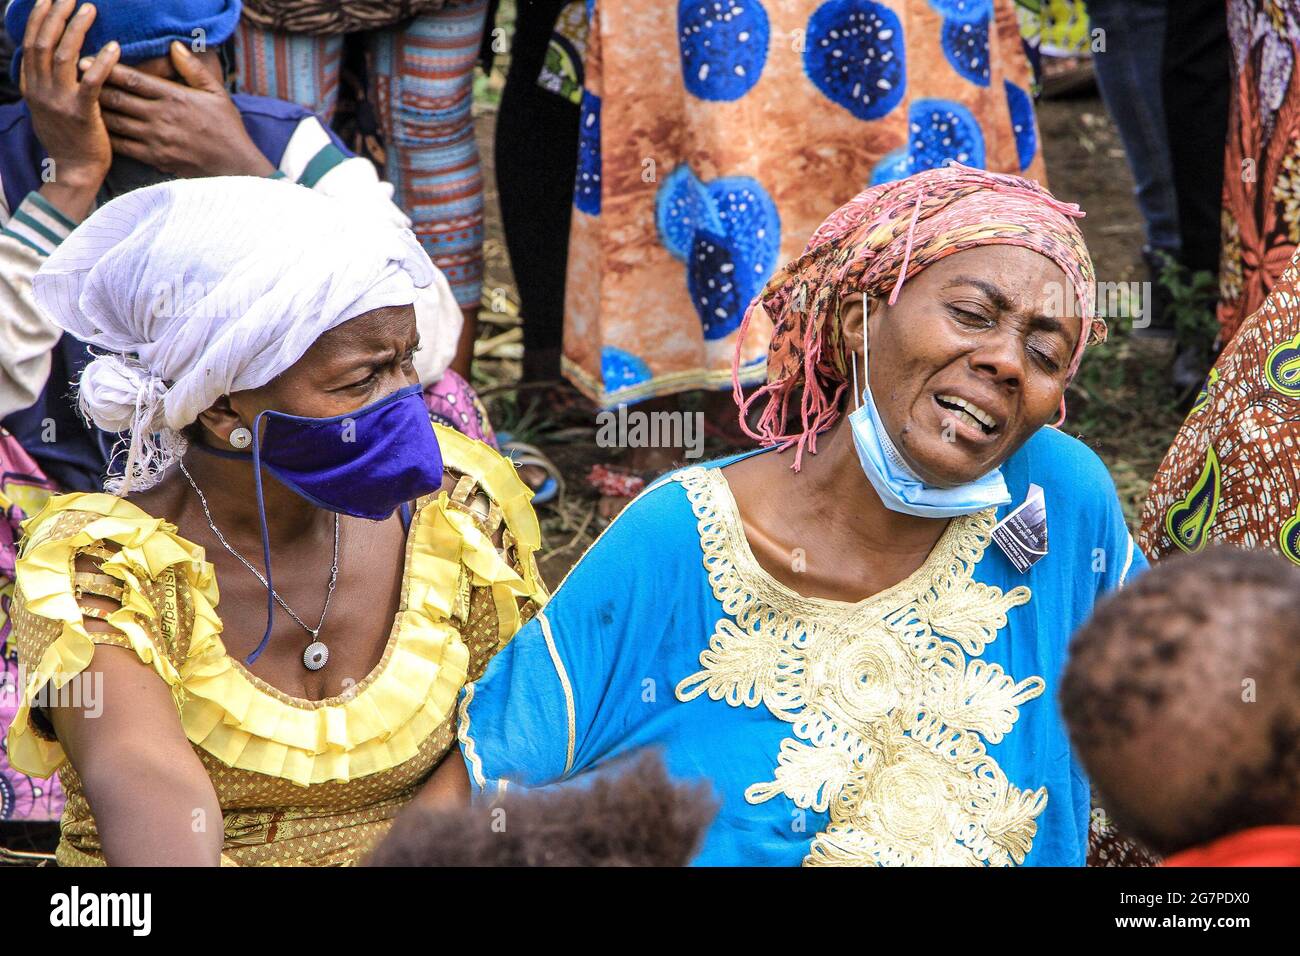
(857, 392)
(266, 540)
(853, 359)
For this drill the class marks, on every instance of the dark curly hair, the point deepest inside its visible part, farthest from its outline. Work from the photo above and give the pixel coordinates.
(1182, 697)
(636, 818)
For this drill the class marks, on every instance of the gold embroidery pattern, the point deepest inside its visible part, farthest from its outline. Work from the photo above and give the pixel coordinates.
(889, 705)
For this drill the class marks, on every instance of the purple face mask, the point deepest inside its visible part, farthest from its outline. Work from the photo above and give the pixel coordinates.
(365, 464)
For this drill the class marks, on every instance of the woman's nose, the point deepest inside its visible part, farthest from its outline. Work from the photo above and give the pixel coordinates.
(1001, 357)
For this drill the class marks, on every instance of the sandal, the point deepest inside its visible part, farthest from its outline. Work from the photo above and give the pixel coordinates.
(525, 455)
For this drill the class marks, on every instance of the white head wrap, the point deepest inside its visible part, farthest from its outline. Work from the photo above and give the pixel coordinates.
(201, 287)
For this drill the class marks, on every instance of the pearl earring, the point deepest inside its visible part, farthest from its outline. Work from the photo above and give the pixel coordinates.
(241, 437)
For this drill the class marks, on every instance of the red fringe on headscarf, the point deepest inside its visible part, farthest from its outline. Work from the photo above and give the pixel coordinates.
(872, 244)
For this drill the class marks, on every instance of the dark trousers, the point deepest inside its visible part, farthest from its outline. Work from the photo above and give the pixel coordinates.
(1129, 75)
(536, 160)
(1196, 91)
(1164, 78)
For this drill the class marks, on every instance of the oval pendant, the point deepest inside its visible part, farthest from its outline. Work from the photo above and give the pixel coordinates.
(316, 656)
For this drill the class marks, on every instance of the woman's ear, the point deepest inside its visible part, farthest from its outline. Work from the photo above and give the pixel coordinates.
(853, 322)
(220, 419)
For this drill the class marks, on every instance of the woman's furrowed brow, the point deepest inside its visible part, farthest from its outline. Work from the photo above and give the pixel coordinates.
(994, 294)
(1004, 303)
(356, 357)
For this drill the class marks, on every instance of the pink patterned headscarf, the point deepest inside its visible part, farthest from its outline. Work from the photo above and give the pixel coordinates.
(872, 244)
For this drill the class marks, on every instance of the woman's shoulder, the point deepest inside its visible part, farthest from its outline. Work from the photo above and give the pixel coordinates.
(679, 498)
(659, 531)
(89, 517)
(116, 536)
(104, 545)
(493, 473)
(1073, 477)
(96, 569)
(483, 517)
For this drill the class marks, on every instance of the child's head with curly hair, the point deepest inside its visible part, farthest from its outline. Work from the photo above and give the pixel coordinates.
(636, 818)
(1182, 696)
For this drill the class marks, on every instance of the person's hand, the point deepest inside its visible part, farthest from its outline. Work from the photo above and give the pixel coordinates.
(65, 111)
(187, 129)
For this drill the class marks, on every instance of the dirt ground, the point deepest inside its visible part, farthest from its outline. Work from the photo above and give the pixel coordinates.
(1119, 404)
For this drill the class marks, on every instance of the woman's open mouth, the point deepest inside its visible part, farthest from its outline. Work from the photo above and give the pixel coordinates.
(968, 413)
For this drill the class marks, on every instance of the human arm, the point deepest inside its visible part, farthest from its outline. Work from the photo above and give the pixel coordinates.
(101, 681)
(152, 800)
(447, 787)
(65, 111)
(580, 682)
(65, 119)
(26, 335)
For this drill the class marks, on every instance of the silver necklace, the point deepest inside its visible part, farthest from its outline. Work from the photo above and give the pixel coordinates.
(316, 655)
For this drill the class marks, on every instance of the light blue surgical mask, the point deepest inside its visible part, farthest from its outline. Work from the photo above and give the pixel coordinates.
(899, 487)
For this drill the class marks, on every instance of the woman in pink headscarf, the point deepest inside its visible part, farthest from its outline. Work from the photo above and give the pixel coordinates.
(855, 632)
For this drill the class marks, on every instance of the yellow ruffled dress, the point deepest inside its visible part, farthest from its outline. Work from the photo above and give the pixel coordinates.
(300, 782)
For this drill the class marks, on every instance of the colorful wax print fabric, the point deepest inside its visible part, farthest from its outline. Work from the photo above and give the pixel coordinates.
(453, 402)
(1261, 182)
(1231, 474)
(716, 138)
(562, 71)
(23, 492)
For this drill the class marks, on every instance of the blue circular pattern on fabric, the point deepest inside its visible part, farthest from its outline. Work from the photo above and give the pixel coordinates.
(715, 286)
(892, 167)
(620, 369)
(752, 226)
(940, 130)
(586, 186)
(728, 233)
(682, 205)
(1021, 106)
(965, 10)
(723, 46)
(854, 54)
(966, 45)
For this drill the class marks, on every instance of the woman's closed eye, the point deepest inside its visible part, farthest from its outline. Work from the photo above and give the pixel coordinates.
(970, 317)
(404, 362)
(368, 381)
(1042, 348)
(1045, 354)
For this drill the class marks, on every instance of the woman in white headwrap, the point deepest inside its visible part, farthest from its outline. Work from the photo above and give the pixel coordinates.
(255, 347)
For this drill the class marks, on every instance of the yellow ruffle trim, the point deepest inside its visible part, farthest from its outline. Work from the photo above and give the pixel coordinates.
(241, 720)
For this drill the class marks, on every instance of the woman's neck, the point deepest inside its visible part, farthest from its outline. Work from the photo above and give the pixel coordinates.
(836, 493)
(228, 485)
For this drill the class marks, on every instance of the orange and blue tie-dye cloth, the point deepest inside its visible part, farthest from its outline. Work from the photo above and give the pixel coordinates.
(716, 137)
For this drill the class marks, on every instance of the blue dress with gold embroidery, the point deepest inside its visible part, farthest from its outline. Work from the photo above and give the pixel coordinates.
(916, 727)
